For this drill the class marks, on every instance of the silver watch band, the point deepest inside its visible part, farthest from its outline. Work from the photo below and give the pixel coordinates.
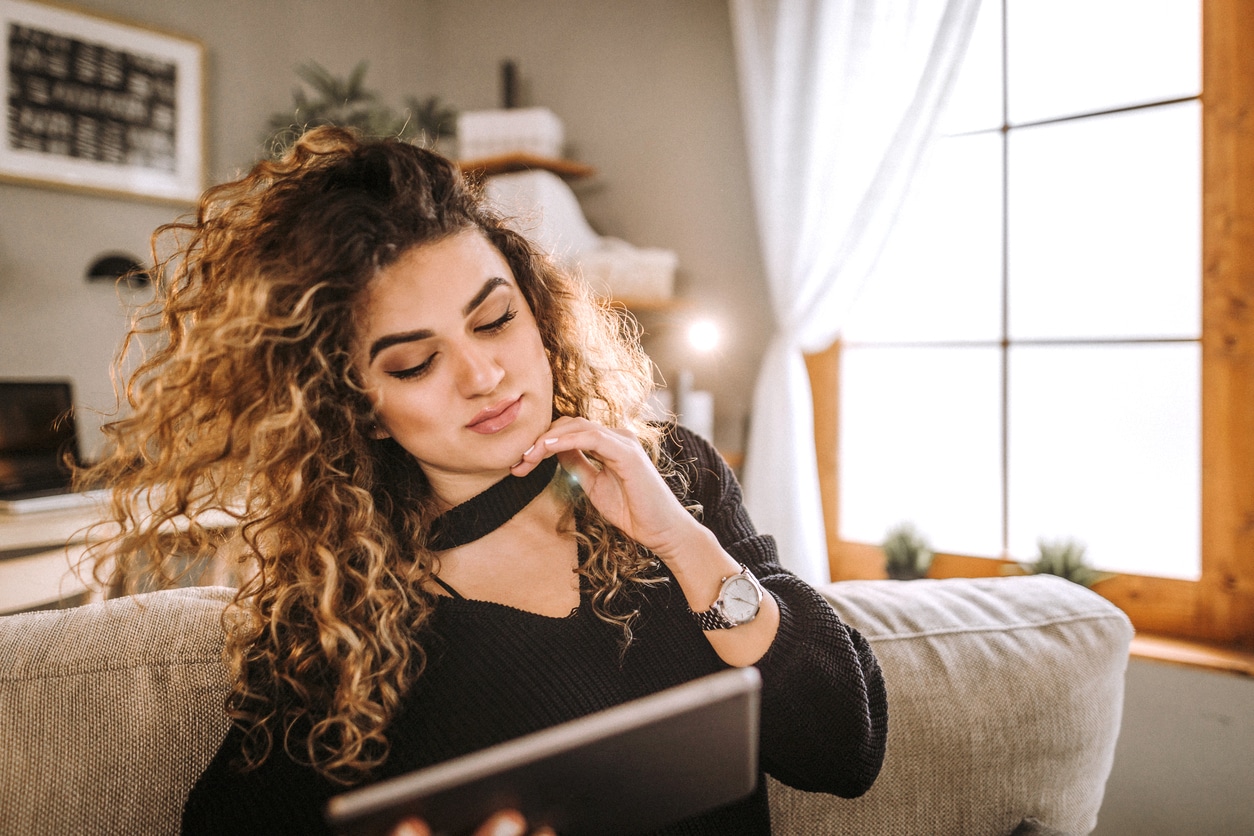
(712, 619)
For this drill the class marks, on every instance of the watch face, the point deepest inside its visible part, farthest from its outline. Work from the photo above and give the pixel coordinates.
(740, 600)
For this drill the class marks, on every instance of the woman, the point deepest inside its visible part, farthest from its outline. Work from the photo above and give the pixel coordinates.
(459, 528)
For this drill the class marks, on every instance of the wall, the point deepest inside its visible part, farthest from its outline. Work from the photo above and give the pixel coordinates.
(647, 91)
(52, 322)
(1185, 759)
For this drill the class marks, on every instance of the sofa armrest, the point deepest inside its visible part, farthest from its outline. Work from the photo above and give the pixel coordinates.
(110, 711)
(1004, 702)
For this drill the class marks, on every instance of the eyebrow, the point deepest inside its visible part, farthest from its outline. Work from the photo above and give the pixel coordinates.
(389, 340)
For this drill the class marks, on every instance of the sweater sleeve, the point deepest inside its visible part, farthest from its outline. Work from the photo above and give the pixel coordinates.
(824, 708)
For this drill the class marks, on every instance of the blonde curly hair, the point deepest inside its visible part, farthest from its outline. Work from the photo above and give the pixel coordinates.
(247, 403)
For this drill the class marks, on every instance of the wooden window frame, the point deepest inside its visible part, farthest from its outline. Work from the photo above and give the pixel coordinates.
(1218, 608)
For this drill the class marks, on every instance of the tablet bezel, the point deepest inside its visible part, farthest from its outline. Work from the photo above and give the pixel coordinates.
(628, 769)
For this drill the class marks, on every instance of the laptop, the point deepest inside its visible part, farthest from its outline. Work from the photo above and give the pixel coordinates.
(37, 431)
(625, 770)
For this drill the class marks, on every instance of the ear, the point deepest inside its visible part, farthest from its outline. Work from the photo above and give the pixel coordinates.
(377, 432)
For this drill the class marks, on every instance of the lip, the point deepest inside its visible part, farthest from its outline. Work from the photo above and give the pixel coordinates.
(496, 418)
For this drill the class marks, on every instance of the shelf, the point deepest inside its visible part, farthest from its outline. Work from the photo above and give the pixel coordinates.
(1193, 654)
(521, 161)
(41, 580)
(669, 304)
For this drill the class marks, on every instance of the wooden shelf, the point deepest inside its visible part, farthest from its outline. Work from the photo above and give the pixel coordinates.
(521, 161)
(1193, 654)
(651, 305)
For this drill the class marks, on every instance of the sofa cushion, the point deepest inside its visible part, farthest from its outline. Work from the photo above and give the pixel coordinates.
(110, 711)
(1004, 701)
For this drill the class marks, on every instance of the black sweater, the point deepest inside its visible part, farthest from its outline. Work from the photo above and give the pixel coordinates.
(495, 673)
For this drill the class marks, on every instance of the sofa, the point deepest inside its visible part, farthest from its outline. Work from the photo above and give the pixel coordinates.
(1005, 696)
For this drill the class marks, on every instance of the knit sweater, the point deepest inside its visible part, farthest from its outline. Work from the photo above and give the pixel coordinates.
(495, 673)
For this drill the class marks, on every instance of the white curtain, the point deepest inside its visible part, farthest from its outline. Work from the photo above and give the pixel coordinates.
(840, 98)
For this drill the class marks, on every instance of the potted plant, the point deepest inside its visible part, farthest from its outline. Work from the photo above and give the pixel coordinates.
(907, 554)
(1066, 559)
(348, 103)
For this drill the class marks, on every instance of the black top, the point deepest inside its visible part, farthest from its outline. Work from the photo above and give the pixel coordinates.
(495, 673)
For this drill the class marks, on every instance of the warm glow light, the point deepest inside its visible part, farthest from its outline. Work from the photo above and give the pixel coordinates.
(704, 335)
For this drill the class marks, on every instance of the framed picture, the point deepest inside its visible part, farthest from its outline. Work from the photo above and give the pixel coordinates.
(100, 105)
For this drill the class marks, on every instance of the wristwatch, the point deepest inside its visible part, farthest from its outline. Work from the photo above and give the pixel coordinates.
(738, 602)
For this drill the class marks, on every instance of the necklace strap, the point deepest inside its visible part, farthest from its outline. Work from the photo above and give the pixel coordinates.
(482, 514)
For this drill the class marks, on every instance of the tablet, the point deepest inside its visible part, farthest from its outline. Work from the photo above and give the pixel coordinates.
(625, 770)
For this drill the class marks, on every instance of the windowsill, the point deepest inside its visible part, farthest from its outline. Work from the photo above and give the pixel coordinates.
(1192, 654)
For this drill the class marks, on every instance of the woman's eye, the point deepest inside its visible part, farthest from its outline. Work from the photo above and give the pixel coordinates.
(413, 371)
(498, 324)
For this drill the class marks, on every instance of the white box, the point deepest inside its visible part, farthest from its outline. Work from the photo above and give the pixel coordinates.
(621, 271)
(492, 133)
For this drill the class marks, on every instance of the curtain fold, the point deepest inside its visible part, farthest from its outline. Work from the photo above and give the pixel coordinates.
(840, 98)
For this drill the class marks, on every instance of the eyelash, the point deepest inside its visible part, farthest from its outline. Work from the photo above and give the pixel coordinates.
(498, 325)
(494, 327)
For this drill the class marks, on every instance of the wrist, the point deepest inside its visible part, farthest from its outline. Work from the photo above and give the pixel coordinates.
(738, 603)
(696, 554)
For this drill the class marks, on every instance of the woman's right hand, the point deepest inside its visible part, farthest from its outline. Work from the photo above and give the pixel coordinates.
(503, 823)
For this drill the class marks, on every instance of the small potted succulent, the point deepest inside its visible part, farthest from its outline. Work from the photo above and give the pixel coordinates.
(348, 103)
(907, 554)
(1064, 558)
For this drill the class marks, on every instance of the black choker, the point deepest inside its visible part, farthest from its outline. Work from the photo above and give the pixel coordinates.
(482, 514)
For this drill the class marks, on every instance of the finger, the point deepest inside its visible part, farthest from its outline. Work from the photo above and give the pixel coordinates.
(605, 446)
(504, 823)
(579, 466)
(566, 434)
(411, 827)
(534, 454)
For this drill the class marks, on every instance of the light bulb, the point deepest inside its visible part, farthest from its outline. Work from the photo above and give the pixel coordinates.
(704, 335)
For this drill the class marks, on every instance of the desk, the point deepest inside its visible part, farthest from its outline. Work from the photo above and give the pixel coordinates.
(39, 549)
(36, 554)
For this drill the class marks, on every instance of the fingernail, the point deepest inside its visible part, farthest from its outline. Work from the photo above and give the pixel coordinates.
(549, 442)
(528, 450)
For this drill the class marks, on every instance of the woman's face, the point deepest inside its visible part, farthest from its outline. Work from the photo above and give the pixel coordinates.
(451, 356)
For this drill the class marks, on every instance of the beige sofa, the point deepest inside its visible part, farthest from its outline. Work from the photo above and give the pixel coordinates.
(1005, 700)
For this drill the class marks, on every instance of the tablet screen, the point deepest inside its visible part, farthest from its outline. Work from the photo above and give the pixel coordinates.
(629, 769)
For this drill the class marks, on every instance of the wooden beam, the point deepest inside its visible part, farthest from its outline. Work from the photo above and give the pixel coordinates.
(824, 369)
(1227, 612)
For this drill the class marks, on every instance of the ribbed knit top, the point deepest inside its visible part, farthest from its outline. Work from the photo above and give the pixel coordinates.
(495, 673)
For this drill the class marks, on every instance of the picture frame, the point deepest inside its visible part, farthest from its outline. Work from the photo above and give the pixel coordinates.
(100, 105)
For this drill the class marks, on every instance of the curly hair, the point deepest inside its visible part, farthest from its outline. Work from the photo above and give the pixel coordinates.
(246, 402)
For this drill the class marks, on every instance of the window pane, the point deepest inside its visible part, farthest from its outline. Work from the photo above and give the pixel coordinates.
(1067, 57)
(1104, 446)
(939, 274)
(975, 103)
(919, 441)
(1105, 229)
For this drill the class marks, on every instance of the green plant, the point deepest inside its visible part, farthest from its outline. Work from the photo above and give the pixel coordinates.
(347, 102)
(1064, 558)
(907, 554)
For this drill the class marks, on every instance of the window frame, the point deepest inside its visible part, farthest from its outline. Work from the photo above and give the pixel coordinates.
(1219, 607)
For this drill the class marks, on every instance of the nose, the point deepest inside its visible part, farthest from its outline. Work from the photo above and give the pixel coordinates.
(478, 371)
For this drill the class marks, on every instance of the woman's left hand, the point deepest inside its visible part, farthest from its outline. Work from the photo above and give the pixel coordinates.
(619, 479)
(503, 823)
(626, 488)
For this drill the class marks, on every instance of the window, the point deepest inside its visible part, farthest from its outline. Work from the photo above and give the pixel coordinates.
(1056, 341)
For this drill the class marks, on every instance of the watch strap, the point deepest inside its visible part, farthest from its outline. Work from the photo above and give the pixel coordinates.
(712, 619)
